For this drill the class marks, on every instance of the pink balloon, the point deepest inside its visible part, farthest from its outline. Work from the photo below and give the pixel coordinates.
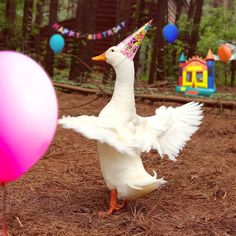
(28, 114)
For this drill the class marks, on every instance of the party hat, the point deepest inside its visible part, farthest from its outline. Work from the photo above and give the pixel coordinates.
(131, 44)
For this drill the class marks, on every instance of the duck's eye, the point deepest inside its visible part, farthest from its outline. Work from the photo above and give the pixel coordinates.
(112, 50)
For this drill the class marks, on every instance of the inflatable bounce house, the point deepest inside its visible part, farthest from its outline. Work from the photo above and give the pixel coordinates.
(196, 76)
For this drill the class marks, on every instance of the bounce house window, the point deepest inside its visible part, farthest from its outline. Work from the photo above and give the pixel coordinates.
(199, 76)
(189, 76)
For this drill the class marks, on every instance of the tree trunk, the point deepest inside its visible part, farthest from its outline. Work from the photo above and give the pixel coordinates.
(140, 22)
(27, 24)
(217, 3)
(8, 32)
(146, 66)
(125, 9)
(191, 9)
(153, 65)
(232, 68)
(38, 23)
(82, 48)
(179, 5)
(195, 30)
(226, 75)
(157, 61)
(74, 66)
(49, 56)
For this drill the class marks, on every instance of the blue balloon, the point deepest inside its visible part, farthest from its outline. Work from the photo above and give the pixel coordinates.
(57, 43)
(170, 32)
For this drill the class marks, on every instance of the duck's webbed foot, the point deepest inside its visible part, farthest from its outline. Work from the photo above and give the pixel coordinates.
(114, 206)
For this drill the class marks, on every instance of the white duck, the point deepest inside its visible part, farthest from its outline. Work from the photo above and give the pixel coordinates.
(122, 134)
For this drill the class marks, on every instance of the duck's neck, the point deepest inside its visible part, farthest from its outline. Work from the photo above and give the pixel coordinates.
(123, 94)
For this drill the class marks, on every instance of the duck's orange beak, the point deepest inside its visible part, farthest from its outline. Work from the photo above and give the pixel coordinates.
(100, 57)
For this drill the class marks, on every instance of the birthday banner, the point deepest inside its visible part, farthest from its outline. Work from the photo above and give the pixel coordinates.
(101, 35)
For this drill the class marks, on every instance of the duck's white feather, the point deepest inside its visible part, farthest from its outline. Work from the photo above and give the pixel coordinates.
(167, 131)
(100, 129)
(126, 173)
(122, 135)
(170, 128)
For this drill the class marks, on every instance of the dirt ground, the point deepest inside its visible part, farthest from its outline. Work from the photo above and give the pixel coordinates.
(63, 193)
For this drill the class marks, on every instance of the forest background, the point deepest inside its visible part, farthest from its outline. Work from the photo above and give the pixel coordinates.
(26, 26)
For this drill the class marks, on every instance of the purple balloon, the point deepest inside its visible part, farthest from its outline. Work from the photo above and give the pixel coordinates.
(28, 114)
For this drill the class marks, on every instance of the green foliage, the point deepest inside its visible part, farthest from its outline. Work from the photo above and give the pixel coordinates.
(185, 28)
(216, 24)
(15, 29)
(2, 8)
(145, 59)
(67, 9)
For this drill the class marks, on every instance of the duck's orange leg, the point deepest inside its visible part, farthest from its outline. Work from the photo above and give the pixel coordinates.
(114, 206)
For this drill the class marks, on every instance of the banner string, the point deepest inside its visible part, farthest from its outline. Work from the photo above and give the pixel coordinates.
(101, 35)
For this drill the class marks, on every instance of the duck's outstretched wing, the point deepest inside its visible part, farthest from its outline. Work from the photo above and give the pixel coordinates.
(167, 131)
(100, 129)
(170, 128)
